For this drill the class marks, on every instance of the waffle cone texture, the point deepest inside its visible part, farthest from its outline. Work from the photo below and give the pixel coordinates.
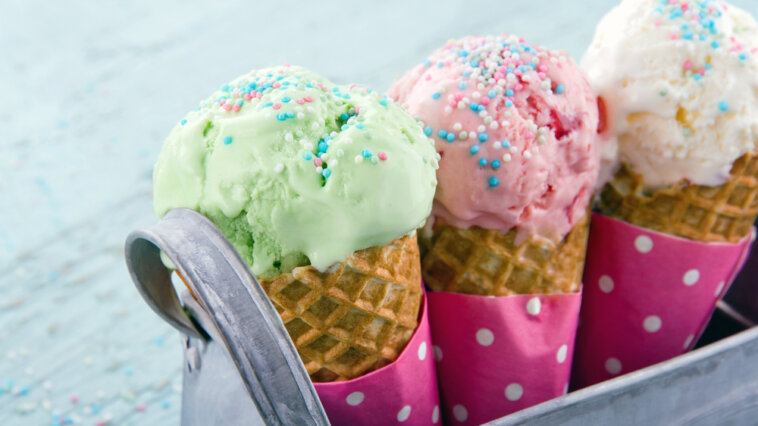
(723, 213)
(492, 263)
(356, 316)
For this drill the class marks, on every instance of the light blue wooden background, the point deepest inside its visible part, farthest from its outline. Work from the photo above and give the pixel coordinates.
(88, 91)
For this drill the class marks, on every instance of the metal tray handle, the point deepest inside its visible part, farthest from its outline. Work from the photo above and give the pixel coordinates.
(249, 327)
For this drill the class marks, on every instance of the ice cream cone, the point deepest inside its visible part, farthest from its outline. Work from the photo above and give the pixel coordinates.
(489, 262)
(357, 315)
(723, 213)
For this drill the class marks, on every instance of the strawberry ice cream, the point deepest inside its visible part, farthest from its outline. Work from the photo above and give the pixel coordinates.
(515, 126)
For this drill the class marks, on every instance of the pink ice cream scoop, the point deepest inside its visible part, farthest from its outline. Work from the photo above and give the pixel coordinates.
(515, 126)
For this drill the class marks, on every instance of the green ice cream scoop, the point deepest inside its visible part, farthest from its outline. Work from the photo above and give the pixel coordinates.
(296, 170)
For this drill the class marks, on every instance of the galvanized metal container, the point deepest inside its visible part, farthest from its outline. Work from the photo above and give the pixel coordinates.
(242, 368)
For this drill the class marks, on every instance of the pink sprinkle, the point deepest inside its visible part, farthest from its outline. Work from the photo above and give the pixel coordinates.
(227, 107)
(542, 68)
(308, 98)
(357, 110)
(100, 423)
(688, 65)
(276, 105)
(236, 94)
(301, 101)
(248, 97)
(428, 77)
(702, 71)
(685, 6)
(541, 75)
(236, 108)
(518, 87)
(528, 135)
(673, 36)
(141, 407)
(382, 156)
(277, 85)
(317, 162)
(484, 101)
(74, 399)
(657, 23)
(458, 96)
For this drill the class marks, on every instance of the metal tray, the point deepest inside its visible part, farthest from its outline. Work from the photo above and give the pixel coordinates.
(242, 368)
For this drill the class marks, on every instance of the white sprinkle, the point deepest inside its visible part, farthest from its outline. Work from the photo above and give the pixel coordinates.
(506, 157)
(314, 126)
(340, 153)
(324, 156)
(288, 137)
(497, 145)
(358, 158)
(493, 124)
(527, 155)
(461, 105)
(541, 139)
(300, 115)
(463, 135)
(448, 109)
(319, 169)
(332, 164)
(514, 149)
(457, 127)
(481, 129)
(308, 146)
(279, 168)
(472, 135)
(347, 140)
(476, 95)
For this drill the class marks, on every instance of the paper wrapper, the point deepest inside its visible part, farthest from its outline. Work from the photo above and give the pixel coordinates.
(497, 355)
(403, 392)
(647, 297)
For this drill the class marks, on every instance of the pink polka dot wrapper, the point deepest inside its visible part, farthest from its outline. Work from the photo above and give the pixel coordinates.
(647, 297)
(403, 392)
(498, 355)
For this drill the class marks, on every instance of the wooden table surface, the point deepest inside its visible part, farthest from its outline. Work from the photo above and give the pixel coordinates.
(89, 92)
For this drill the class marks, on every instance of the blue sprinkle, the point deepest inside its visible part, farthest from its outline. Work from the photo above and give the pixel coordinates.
(435, 96)
(286, 99)
(494, 182)
(742, 56)
(24, 391)
(559, 89)
(323, 146)
(281, 116)
(290, 114)
(307, 156)
(723, 106)
(440, 64)
(715, 44)
(466, 73)
(366, 153)
(328, 137)
(428, 130)
(480, 107)
(482, 162)
(450, 137)
(697, 77)
(95, 409)
(344, 127)
(701, 37)
(359, 125)
(441, 133)
(707, 66)
(508, 103)
(505, 143)
(483, 137)
(227, 140)
(462, 85)
(158, 341)
(474, 63)
(326, 173)
(495, 164)
(165, 403)
(685, 27)
(474, 106)
(509, 93)
(491, 94)
(687, 36)
(474, 149)
(184, 121)
(344, 116)
(267, 104)
(427, 63)
(225, 88)
(383, 102)
(463, 53)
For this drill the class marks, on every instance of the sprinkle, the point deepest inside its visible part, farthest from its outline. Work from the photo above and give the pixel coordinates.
(450, 137)
(227, 140)
(281, 117)
(723, 106)
(527, 155)
(462, 85)
(366, 153)
(508, 103)
(74, 399)
(482, 137)
(358, 158)
(559, 89)
(493, 182)
(428, 131)
(165, 403)
(184, 121)
(495, 164)
(382, 155)
(326, 173)
(141, 407)
(317, 162)
(441, 133)
(308, 156)
(506, 157)
(482, 162)
(435, 96)
(359, 126)
(474, 149)
(279, 168)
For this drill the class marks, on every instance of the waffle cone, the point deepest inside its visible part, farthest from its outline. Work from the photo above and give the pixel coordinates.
(354, 317)
(489, 262)
(723, 213)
